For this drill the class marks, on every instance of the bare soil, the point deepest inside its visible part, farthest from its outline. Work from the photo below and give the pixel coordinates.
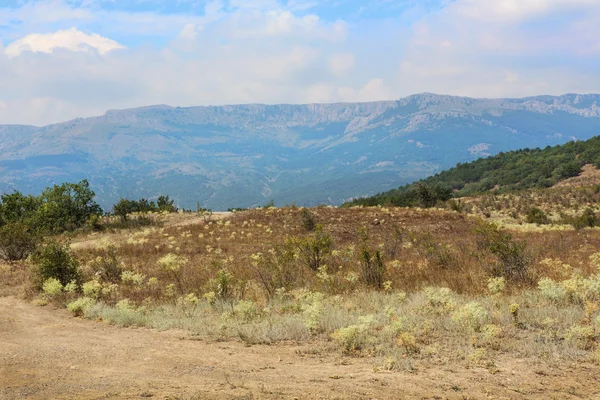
(47, 354)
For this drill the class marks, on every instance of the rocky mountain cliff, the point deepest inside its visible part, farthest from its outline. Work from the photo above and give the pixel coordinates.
(245, 155)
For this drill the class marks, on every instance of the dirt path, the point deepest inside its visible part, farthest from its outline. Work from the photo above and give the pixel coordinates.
(47, 354)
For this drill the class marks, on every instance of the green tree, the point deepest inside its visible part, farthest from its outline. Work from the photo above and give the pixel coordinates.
(17, 207)
(66, 207)
(164, 203)
(124, 207)
(17, 241)
(54, 260)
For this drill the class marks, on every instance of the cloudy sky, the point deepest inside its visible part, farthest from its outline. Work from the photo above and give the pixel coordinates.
(61, 59)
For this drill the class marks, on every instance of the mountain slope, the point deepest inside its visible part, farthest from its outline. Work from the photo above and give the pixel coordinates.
(515, 170)
(235, 156)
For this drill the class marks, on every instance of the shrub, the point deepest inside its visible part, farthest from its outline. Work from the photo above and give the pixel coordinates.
(224, 285)
(350, 338)
(513, 258)
(172, 264)
(496, 285)
(133, 278)
(164, 203)
(52, 287)
(17, 241)
(314, 249)
(277, 269)
(472, 315)
(107, 267)
(308, 219)
(246, 310)
(80, 306)
(584, 336)
(552, 290)
(537, 216)
(92, 289)
(372, 269)
(586, 220)
(312, 309)
(54, 260)
(439, 298)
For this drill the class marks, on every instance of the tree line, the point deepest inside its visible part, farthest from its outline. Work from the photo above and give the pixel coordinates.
(510, 171)
(26, 219)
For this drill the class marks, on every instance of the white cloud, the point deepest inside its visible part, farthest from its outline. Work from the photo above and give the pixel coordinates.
(375, 89)
(190, 32)
(71, 39)
(341, 63)
(516, 10)
(268, 51)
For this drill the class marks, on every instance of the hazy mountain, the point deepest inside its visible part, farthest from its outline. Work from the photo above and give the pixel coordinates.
(245, 155)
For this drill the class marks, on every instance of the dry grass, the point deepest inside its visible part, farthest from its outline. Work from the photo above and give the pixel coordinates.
(210, 278)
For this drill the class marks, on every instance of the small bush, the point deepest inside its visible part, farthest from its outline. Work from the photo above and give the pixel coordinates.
(513, 257)
(246, 310)
(312, 250)
(551, 290)
(308, 219)
(472, 316)
(54, 260)
(133, 278)
(496, 285)
(92, 289)
(583, 336)
(588, 219)
(107, 267)
(440, 299)
(80, 306)
(52, 287)
(17, 241)
(350, 338)
(537, 216)
(372, 269)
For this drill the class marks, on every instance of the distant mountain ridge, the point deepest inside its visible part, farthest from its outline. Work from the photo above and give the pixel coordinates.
(245, 155)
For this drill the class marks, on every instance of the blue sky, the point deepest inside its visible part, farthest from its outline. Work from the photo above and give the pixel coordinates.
(61, 59)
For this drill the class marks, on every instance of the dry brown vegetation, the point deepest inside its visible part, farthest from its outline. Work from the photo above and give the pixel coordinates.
(405, 289)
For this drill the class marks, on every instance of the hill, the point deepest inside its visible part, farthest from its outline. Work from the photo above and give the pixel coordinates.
(246, 155)
(504, 172)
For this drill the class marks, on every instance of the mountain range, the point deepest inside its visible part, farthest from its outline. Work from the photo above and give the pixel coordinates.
(245, 155)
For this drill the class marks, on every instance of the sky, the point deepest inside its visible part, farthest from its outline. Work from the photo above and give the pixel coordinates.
(62, 59)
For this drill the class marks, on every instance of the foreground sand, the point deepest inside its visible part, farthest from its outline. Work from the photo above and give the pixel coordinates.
(47, 354)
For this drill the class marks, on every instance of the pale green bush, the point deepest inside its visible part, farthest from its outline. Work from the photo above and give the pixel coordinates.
(92, 289)
(246, 310)
(575, 288)
(496, 285)
(52, 287)
(125, 305)
(583, 335)
(552, 290)
(71, 287)
(350, 338)
(80, 306)
(440, 299)
(211, 298)
(133, 278)
(592, 287)
(471, 316)
(312, 305)
(172, 262)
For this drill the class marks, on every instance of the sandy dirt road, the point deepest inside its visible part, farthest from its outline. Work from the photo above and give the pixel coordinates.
(47, 354)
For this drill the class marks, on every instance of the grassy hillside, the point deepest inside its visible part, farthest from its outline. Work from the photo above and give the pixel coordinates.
(515, 170)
